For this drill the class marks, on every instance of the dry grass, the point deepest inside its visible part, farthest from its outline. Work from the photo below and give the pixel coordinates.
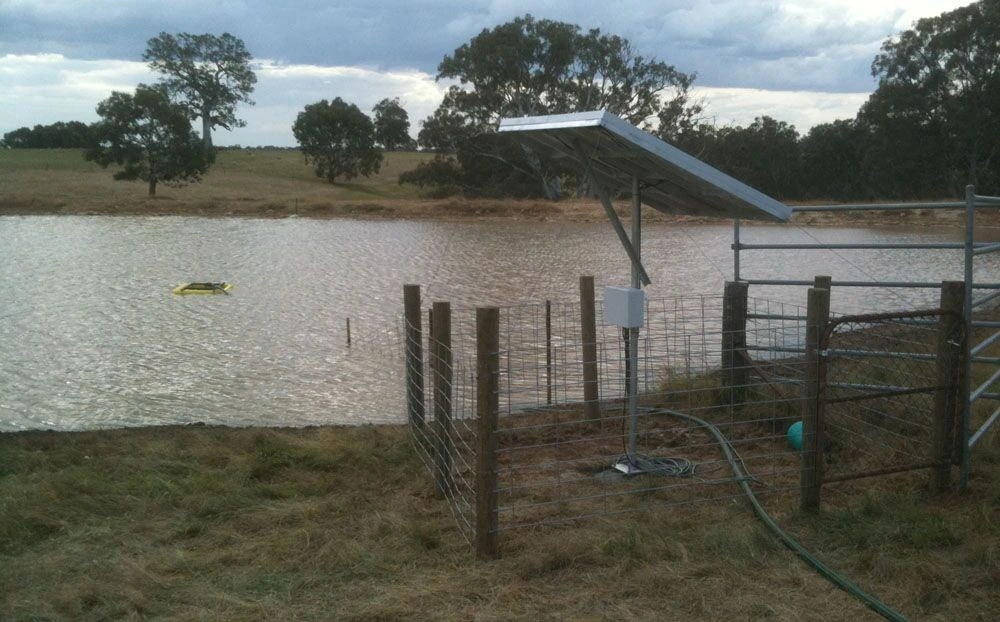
(277, 183)
(204, 523)
(255, 182)
(266, 183)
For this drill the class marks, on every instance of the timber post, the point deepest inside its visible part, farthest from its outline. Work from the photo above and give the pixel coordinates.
(487, 415)
(735, 372)
(548, 352)
(811, 475)
(414, 357)
(588, 329)
(441, 368)
(947, 398)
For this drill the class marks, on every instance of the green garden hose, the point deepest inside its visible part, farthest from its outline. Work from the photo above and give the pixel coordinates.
(829, 573)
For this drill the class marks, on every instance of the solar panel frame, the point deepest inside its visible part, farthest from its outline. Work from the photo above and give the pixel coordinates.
(672, 181)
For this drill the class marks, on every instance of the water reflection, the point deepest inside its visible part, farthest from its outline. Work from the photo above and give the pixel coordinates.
(92, 337)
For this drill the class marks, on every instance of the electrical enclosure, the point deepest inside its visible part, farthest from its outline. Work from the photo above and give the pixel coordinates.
(624, 306)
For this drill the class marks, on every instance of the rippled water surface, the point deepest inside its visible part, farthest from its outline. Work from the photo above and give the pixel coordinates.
(91, 336)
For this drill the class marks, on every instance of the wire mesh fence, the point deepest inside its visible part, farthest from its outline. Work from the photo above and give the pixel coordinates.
(564, 431)
(881, 380)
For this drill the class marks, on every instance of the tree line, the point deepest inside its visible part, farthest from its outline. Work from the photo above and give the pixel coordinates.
(59, 135)
(931, 126)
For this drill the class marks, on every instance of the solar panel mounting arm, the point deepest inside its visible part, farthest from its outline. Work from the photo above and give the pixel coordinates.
(609, 209)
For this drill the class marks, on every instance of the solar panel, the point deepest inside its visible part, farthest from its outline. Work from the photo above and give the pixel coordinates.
(671, 180)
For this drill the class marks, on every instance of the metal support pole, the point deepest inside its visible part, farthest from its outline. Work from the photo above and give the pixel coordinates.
(636, 231)
(736, 249)
(633, 350)
(970, 224)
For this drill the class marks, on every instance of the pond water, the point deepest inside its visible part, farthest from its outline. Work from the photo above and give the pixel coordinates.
(91, 335)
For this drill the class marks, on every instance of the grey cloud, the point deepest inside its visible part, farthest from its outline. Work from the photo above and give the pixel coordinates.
(760, 43)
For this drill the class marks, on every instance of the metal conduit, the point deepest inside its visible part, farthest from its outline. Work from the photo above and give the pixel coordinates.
(859, 246)
(900, 284)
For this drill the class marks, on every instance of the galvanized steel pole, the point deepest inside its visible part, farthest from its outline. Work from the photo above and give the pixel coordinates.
(970, 223)
(736, 249)
(632, 377)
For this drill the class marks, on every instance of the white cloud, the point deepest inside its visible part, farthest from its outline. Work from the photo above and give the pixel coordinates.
(45, 88)
(803, 109)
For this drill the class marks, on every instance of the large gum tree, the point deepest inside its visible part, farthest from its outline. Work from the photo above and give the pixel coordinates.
(534, 66)
(936, 113)
(209, 74)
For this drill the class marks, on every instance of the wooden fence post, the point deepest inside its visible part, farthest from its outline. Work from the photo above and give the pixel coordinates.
(414, 357)
(487, 413)
(811, 475)
(588, 326)
(548, 352)
(947, 399)
(823, 282)
(735, 373)
(441, 368)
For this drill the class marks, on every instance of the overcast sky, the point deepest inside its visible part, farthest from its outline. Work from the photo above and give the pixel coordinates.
(800, 61)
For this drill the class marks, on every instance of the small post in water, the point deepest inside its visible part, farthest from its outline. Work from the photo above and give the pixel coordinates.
(348, 332)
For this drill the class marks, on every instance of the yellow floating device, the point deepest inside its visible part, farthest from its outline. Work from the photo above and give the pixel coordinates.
(188, 289)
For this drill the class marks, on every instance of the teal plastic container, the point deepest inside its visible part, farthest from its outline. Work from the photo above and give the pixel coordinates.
(795, 436)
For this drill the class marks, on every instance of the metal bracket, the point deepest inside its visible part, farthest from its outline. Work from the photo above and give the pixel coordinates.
(609, 209)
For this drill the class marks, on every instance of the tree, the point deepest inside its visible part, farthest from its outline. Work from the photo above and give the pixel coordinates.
(446, 129)
(832, 162)
(937, 105)
(764, 155)
(338, 138)
(535, 67)
(150, 137)
(209, 74)
(59, 135)
(392, 125)
(21, 138)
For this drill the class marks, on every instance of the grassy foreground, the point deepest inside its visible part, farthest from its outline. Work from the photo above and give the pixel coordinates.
(206, 523)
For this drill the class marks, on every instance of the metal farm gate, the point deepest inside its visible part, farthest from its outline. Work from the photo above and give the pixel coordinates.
(889, 394)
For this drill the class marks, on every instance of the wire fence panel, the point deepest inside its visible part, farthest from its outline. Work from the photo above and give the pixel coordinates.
(556, 457)
(559, 458)
(878, 389)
